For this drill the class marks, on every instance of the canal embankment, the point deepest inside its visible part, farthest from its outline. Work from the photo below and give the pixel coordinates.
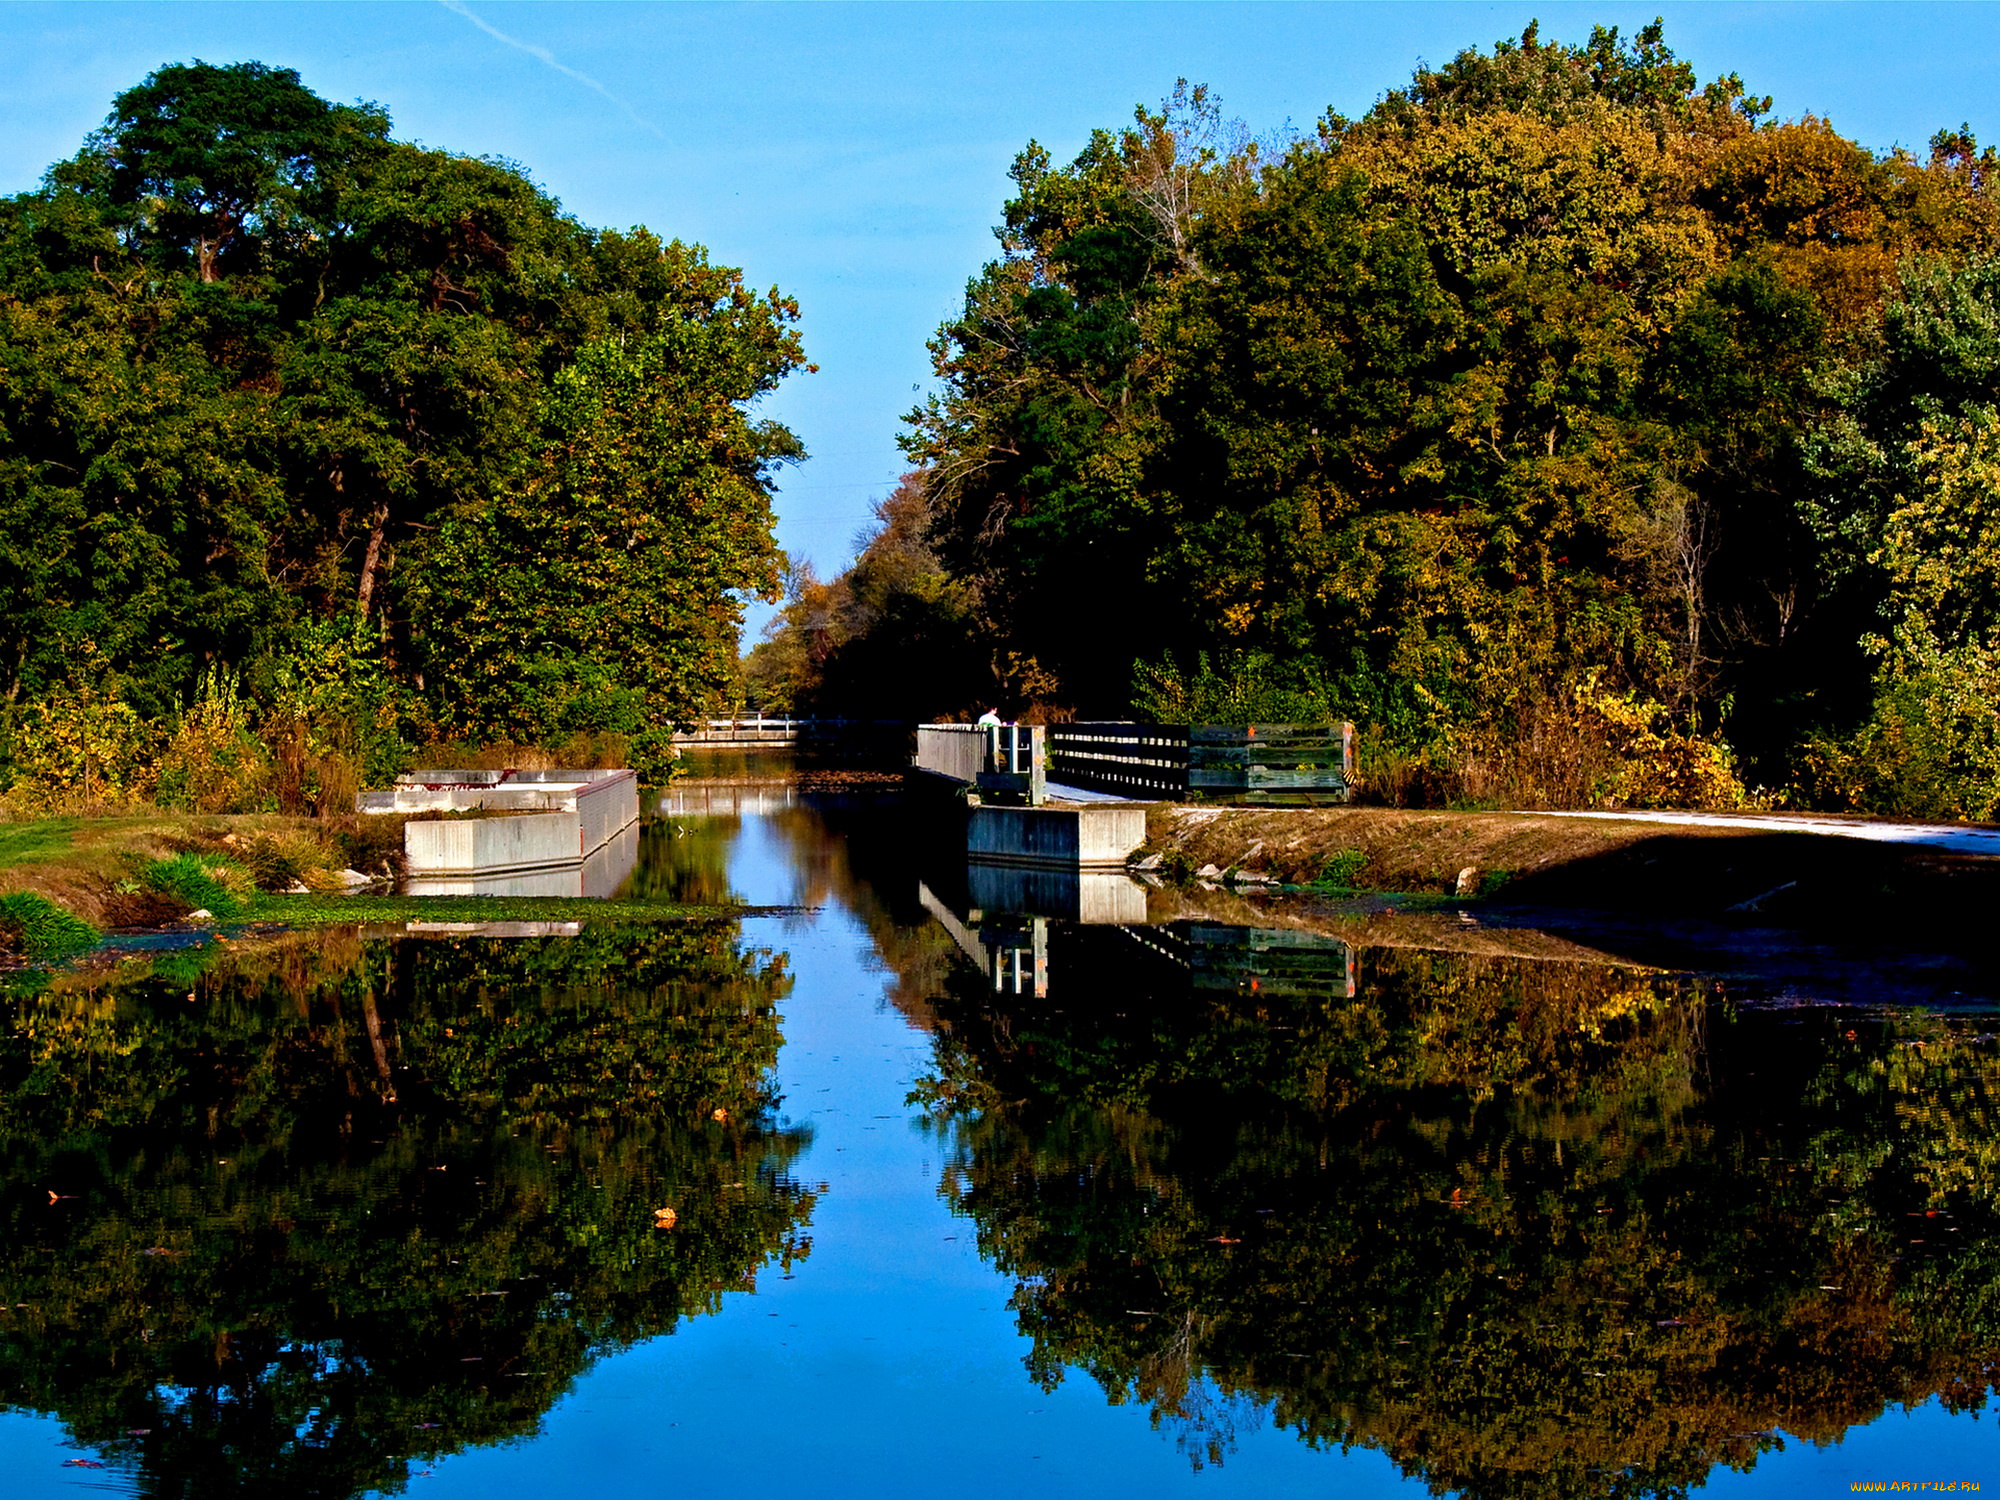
(1538, 859)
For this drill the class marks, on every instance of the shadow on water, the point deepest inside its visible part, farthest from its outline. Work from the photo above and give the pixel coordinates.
(295, 1221)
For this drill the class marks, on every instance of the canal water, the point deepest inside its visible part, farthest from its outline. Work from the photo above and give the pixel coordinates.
(926, 1186)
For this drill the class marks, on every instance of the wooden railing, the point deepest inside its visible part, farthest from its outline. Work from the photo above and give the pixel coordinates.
(1257, 760)
(1160, 762)
(957, 751)
(1143, 761)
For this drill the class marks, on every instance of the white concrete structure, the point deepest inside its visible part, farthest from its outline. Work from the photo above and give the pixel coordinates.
(1096, 835)
(558, 833)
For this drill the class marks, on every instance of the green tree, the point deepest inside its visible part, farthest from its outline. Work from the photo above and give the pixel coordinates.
(255, 354)
(606, 593)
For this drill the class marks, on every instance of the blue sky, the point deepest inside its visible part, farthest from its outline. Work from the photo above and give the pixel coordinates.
(856, 155)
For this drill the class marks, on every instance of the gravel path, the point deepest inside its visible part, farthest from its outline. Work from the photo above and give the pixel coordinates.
(1960, 837)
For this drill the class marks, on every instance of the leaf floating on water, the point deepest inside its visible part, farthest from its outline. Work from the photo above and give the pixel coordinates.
(665, 1218)
(81, 1463)
(719, 1114)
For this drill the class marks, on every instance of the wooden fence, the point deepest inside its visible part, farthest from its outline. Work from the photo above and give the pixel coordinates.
(1148, 762)
(1151, 762)
(1271, 762)
(1222, 762)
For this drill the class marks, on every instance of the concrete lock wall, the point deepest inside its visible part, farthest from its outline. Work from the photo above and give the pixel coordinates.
(599, 874)
(1072, 837)
(492, 844)
(605, 806)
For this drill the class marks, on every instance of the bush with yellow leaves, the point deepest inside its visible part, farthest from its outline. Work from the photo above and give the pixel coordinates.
(215, 763)
(81, 748)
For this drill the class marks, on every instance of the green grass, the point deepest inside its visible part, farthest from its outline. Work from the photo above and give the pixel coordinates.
(44, 929)
(1341, 870)
(32, 843)
(191, 879)
(334, 911)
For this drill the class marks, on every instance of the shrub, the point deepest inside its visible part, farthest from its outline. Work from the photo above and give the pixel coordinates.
(214, 764)
(1342, 869)
(1572, 747)
(1236, 687)
(36, 926)
(279, 860)
(1930, 748)
(80, 748)
(217, 886)
(372, 844)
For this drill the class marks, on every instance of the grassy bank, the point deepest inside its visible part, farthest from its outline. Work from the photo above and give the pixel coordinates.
(78, 863)
(64, 880)
(1531, 860)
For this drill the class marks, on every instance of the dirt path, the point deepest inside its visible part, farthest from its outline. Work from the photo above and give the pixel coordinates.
(1889, 879)
(1960, 838)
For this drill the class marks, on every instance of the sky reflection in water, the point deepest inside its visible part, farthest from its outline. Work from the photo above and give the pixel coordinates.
(1509, 1226)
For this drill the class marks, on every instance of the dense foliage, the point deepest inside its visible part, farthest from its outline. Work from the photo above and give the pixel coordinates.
(1529, 1228)
(375, 434)
(1559, 408)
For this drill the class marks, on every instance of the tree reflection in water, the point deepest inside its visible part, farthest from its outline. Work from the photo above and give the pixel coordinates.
(1530, 1228)
(343, 1204)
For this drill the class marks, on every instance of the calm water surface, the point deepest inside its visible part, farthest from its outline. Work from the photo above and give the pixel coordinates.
(962, 1200)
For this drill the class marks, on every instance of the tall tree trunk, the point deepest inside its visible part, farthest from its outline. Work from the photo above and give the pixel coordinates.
(371, 560)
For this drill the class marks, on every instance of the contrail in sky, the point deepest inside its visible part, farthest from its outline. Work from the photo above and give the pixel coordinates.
(542, 54)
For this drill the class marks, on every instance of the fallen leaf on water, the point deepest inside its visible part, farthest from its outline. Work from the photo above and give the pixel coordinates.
(718, 1114)
(81, 1463)
(1223, 1239)
(665, 1218)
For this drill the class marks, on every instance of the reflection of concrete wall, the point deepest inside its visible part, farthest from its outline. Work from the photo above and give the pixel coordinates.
(727, 801)
(1100, 835)
(1092, 896)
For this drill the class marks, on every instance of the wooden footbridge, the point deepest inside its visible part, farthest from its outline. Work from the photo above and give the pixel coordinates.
(1270, 764)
